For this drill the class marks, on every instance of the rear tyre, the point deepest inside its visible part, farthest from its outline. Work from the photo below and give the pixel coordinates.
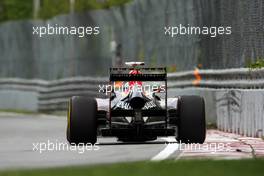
(82, 121)
(191, 126)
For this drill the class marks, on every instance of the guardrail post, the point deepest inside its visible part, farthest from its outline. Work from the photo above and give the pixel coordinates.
(36, 8)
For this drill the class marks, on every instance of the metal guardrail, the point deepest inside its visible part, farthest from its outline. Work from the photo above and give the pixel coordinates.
(57, 93)
(53, 95)
(242, 78)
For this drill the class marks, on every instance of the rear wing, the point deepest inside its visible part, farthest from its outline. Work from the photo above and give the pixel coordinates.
(147, 74)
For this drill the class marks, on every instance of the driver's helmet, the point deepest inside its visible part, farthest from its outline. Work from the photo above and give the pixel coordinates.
(132, 83)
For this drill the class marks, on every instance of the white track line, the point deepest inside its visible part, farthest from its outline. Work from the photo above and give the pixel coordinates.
(168, 150)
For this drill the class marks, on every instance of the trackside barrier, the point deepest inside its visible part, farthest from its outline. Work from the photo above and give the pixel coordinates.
(234, 97)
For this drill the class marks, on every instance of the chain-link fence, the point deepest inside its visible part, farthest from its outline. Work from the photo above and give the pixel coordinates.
(247, 40)
(138, 30)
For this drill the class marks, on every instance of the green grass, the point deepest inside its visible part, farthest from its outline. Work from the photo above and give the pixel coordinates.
(181, 168)
(211, 126)
(18, 111)
(257, 64)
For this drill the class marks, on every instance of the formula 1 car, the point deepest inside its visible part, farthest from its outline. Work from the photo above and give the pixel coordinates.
(137, 109)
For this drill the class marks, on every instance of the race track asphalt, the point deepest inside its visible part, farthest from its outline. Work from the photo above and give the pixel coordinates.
(21, 136)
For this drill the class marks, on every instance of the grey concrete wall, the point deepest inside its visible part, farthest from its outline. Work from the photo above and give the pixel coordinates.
(241, 111)
(19, 100)
(238, 111)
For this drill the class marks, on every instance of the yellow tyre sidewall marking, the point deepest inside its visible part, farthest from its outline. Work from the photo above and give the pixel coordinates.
(69, 114)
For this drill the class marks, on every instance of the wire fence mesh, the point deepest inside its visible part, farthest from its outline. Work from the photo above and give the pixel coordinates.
(138, 29)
